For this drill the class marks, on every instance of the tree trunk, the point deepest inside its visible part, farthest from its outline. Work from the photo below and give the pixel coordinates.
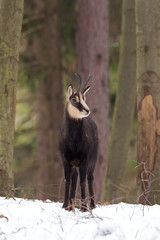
(92, 58)
(11, 13)
(148, 99)
(50, 102)
(125, 105)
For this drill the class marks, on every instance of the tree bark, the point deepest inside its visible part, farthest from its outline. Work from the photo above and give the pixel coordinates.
(11, 13)
(125, 105)
(50, 103)
(92, 58)
(148, 100)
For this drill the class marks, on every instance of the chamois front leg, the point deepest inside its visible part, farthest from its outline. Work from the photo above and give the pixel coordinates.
(90, 188)
(67, 174)
(73, 187)
(82, 171)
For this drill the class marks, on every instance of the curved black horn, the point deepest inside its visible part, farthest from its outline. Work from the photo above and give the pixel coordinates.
(86, 82)
(80, 81)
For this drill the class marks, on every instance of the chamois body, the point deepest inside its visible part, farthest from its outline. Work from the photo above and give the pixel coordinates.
(78, 146)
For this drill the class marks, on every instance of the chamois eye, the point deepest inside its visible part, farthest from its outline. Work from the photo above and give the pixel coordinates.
(73, 100)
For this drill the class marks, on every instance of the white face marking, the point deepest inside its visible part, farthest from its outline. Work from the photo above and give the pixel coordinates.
(73, 112)
(83, 102)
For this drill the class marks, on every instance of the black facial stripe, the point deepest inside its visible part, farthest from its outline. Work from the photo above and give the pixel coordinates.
(79, 96)
(78, 105)
(85, 109)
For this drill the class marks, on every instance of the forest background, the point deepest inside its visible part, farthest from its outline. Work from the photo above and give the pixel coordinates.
(31, 71)
(60, 38)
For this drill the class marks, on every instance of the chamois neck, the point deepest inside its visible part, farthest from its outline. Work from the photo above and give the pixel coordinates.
(71, 120)
(74, 126)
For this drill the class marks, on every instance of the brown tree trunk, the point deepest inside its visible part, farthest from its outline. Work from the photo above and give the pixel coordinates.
(148, 99)
(92, 58)
(125, 105)
(45, 50)
(11, 13)
(50, 103)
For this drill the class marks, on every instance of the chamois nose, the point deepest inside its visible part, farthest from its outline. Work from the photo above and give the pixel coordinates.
(87, 111)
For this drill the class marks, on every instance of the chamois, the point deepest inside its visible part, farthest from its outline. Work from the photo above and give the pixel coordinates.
(78, 146)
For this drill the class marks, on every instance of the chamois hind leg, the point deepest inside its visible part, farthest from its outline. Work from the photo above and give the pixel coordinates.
(82, 171)
(90, 188)
(67, 174)
(73, 187)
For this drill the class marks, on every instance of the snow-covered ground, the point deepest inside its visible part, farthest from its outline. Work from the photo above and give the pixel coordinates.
(35, 220)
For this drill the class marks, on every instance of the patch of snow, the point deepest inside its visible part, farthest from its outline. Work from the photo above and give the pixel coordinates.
(36, 220)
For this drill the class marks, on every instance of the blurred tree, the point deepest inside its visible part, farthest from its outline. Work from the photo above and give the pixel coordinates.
(125, 105)
(148, 99)
(45, 62)
(67, 30)
(92, 58)
(11, 13)
(115, 16)
(115, 10)
(50, 104)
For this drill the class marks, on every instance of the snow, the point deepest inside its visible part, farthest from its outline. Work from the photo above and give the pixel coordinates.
(36, 220)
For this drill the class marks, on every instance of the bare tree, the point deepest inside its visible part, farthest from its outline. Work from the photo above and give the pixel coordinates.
(125, 105)
(46, 58)
(92, 58)
(148, 99)
(11, 13)
(50, 104)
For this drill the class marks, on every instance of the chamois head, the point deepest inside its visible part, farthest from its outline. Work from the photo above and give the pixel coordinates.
(76, 101)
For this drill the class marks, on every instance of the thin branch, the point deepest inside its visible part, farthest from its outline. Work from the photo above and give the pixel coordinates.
(33, 18)
(32, 30)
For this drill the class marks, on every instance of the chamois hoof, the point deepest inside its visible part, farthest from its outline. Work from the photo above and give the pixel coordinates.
(84, 208)
(65, 206)
(92, 206)
(68, 207)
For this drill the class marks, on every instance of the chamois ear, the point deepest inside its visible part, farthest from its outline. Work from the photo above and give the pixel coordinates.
(69, 91)
(86, 90)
